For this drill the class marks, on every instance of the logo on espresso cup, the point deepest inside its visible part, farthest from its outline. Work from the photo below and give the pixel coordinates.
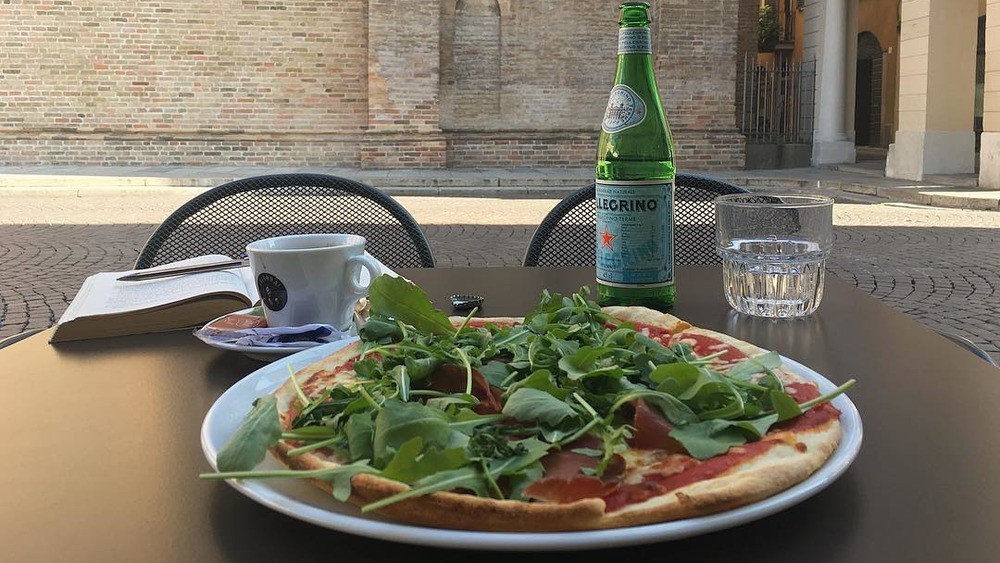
(272, 292)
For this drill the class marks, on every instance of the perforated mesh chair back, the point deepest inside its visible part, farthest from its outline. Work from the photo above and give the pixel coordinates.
(224, 219)
(566, 236)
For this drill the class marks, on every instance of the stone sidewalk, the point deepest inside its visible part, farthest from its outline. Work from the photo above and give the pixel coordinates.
(940, 265)
(854, 180)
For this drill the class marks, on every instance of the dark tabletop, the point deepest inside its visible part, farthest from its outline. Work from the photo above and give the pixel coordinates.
(102, 443)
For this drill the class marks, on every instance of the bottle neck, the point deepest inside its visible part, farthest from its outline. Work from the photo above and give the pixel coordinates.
(634, 41)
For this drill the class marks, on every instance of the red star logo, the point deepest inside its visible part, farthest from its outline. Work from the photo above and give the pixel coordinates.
(607, 239)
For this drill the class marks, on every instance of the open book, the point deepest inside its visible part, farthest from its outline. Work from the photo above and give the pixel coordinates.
(105, 306)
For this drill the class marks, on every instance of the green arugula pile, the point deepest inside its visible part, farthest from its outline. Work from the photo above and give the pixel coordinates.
(568, 371)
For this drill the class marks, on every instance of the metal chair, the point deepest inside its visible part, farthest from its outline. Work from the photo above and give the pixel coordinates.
(566, 235)
(4, 342)
(968, 345)
(225, 218)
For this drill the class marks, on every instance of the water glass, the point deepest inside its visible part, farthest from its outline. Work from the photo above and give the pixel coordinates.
(774, 250)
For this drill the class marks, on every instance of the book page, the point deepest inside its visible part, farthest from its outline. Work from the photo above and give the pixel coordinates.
(250, 284)
(103, 294)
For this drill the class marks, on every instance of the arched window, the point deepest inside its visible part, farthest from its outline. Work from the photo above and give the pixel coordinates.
(472, 80)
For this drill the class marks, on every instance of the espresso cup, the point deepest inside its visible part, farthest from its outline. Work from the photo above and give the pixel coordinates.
(313, 278)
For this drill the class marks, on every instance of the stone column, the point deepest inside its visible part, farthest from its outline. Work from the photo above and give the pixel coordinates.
(827, 30)
(989, 151)
(937, 78)
(404, 113)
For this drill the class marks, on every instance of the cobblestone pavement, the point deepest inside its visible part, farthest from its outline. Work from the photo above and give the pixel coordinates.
(941, 266)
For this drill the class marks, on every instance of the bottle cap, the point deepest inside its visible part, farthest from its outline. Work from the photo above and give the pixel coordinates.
(466, 302)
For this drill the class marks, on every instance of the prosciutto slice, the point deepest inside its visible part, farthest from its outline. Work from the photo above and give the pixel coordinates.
(568, 474)
(450, 378)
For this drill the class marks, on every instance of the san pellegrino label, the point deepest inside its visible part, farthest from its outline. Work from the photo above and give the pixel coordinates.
(634, 40)
(625, 109)
(635, 235)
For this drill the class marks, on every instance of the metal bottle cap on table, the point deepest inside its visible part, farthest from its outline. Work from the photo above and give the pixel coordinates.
(466, 302)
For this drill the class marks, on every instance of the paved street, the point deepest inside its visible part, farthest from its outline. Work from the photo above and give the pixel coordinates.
(941, 266)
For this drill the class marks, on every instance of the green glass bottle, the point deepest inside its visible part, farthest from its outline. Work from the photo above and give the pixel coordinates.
(635, 178)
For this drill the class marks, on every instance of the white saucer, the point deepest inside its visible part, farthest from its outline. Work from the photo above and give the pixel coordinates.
(259, 353)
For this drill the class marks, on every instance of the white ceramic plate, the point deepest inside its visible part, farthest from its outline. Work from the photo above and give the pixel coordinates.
(299, 499)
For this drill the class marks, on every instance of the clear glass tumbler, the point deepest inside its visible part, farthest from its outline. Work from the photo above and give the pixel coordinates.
(774, 250)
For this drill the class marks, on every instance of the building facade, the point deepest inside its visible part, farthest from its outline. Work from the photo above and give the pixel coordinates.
(354, 83)
(920, 78)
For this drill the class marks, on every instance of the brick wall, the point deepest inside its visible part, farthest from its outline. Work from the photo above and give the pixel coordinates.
(518, 148)
(368, 83)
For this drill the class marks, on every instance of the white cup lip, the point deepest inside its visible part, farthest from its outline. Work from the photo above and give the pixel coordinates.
(788, 201)
(342, 240)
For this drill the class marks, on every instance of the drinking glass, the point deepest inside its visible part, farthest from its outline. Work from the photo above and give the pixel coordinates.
(774, 250)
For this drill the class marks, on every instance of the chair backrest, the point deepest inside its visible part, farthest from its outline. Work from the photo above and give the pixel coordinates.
(224, 219)
(566, 236)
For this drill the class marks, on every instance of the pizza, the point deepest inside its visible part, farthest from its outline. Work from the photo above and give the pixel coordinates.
(574, 417)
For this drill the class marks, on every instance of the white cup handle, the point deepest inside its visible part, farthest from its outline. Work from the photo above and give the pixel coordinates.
(354, 281)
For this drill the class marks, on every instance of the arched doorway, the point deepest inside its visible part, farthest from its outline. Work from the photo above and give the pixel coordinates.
(868, 92)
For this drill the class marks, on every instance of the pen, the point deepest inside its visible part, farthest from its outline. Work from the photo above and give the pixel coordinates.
(179, 270)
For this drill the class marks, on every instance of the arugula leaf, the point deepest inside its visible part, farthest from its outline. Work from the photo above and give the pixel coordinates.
(399, 299)
(412, 463)
(419, 368)
(489, 442)
(757, 364)
(360, 431)
(398, 422)
(715, 399)
(495, 373)
(713, 437)
(468, 477)
(339, 477)
(671, 407)
(380, 329)
(471, 477)
(709, 438)
(528, 452)
(587, 362)
(676, 378)
(784, 406)
(755, 427)
(542, 380)
(260, 430)
(529, 404)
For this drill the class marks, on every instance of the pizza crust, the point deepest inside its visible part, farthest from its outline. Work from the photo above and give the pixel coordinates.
(780, 467)
(643, 315)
